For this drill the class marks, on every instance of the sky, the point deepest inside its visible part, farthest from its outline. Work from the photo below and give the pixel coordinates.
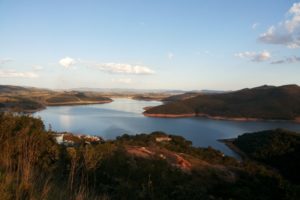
(149, 44)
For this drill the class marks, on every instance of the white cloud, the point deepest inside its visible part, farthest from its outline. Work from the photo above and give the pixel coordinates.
(295, 8)
(254, 56)
(122, 80)
(5, 60)
(286, 32)
(114, 68)
(254, 26)
(170, 55)
(120, 68)
(246, 54)
(15, 74)
(289, 60)
(37, 68)
(67, 62)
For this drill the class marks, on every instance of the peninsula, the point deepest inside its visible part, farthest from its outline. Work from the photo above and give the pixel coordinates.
(260, 103)
(29, 99)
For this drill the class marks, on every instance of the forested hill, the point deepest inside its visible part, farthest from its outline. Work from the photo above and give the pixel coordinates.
(265, 102)
(278, 148)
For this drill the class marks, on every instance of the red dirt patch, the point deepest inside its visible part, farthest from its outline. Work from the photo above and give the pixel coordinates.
(171, 157)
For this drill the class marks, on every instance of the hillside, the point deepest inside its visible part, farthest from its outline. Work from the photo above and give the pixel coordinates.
(265, 102)
(75, 98)
(10, 89)
(28, 99)
(151, 96)
(278, 148)
(154, 166)
(183, 96)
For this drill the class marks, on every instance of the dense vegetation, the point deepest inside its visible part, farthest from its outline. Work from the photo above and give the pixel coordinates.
(278, 148)
(34, 166)
(266, 102)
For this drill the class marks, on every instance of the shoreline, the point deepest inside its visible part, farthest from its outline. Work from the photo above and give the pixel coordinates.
(239, 119)
(169, 115)
(229, 143)
(79, 103)
(31, 111)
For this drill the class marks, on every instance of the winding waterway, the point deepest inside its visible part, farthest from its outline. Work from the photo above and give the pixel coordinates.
(125, 116)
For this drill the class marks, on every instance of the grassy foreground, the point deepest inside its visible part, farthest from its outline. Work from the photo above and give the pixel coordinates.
(154, 166)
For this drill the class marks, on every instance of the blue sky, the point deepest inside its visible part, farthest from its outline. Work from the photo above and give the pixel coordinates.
(149, 44)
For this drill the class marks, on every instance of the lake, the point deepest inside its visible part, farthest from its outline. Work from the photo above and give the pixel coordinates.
(125, 116)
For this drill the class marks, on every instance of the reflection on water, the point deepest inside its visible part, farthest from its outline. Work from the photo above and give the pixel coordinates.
(65, 120)
(124, 116)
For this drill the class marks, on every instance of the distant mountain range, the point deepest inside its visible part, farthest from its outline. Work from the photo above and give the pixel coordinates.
(141, 91)
(264, 102)
(31, 99)
(129, 90)
(13, 89)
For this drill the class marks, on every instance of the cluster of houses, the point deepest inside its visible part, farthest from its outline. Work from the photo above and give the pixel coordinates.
(69, 139)
(163, 139)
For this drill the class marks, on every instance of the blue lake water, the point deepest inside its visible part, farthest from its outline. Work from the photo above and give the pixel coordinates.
(125, 116)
